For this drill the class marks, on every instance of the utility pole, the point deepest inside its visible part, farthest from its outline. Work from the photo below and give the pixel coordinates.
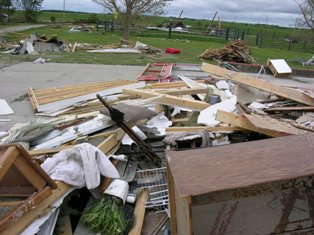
(63, 11)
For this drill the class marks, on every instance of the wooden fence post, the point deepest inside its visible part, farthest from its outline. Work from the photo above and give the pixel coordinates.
(227, 34)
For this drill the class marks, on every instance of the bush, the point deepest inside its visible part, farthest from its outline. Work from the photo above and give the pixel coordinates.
(52, 19)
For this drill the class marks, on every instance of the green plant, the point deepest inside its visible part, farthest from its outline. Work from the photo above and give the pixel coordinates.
(52, 19)
(106, 216)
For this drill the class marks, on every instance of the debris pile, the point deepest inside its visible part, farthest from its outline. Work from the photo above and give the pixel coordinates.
(237, 51)
(37, 44)
(138, 47)
(110, 138)
(81, 28)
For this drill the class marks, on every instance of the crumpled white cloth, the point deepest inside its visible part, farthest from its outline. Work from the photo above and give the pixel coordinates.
(80, 166)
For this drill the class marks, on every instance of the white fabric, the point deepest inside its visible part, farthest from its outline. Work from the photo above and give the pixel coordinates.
(80, 166)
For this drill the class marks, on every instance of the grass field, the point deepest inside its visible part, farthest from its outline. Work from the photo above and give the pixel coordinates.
(191, 45)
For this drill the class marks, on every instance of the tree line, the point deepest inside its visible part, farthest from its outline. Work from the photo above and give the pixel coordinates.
(30, 9)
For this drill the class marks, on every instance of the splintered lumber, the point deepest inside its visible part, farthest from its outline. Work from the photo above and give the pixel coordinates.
(139, 212)
(54, 99)
(285, 92)
(274, 126)
(261, 124)
(169, 99)
(204, 128)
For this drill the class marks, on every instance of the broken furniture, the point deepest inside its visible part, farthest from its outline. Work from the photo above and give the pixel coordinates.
(258, 187)
(279, 68)
(23, 187)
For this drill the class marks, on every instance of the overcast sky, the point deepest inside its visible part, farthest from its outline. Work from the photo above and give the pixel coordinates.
(279, 12)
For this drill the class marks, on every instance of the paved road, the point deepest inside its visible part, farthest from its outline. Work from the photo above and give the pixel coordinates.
(15, 80)
(19, 28)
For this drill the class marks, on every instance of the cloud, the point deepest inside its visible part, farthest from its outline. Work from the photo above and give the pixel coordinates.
(282, 12)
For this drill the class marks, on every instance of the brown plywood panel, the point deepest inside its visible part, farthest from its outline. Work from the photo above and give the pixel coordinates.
(207, 170)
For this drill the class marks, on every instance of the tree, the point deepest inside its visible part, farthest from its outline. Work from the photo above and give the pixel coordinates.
(30, 8)
(6, 9)
(127, 10)
(307, 9)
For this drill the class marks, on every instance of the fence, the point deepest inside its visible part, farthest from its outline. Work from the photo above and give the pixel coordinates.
(295, 42)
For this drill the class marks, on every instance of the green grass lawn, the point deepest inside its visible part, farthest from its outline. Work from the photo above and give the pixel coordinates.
(190, 45)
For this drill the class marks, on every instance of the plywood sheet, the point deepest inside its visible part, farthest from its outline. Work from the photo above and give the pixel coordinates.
(208, 170)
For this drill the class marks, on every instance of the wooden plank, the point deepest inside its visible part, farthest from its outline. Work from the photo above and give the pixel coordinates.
(33, 98)
(169, 99)
(7, 158)
(37, 211)
(30, 174)
(139, 213)
(112, 141)
(281, 91)
(13, 191)
(204, 128)
(184, 91)
(172, 200)
(264, 125)
(235, 120)
(106, 146)
(169, 85)
(273, 126)
(25, 207)
(10, 203)
(66, 227)
(49, 151)
(290, 108)
(74, 47)
(183, 213)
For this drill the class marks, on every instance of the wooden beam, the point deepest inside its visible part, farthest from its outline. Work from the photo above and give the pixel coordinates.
(7, 159)
(112, 141)
(270, 127)
(169, 99)
(169, 85)
(66, 227)
(139, 213)
(204, 128)
(38, 211)
(10, 203)
(49, 151)
(183, 91)
(281, 91)
(273, 126)
(290, 108)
